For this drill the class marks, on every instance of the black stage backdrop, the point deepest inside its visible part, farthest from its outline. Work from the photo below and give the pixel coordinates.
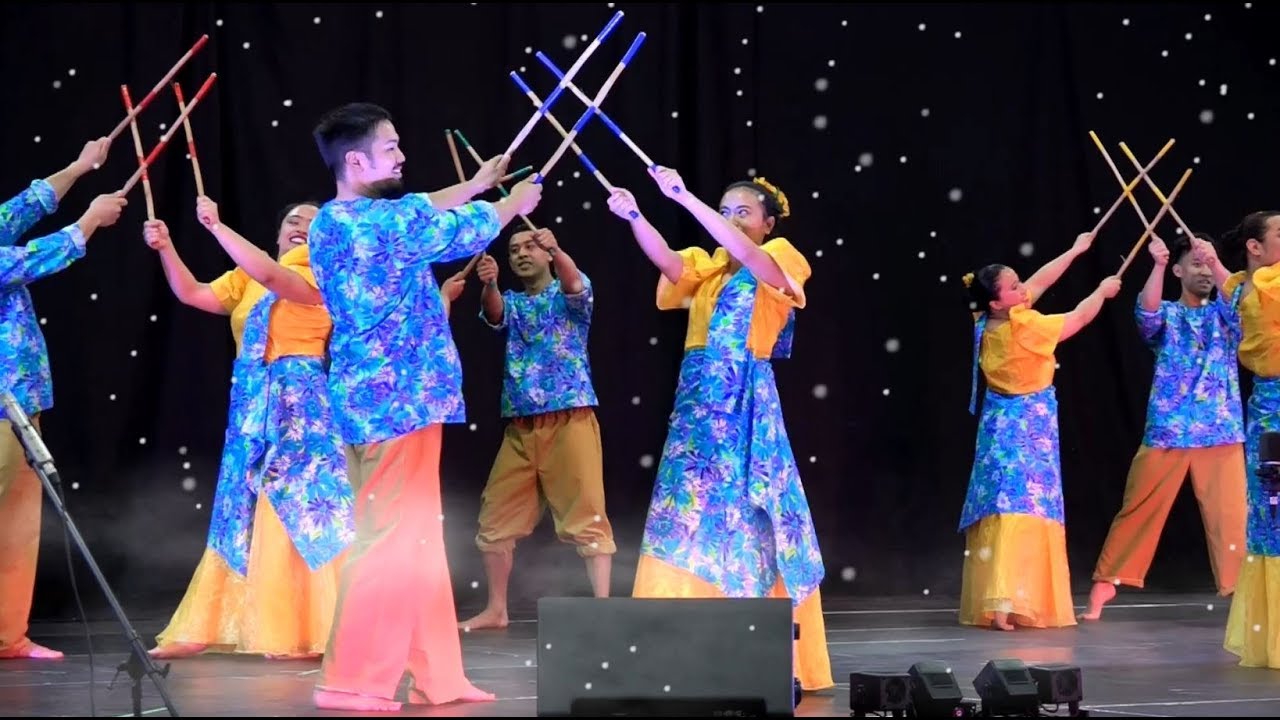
(915, 142)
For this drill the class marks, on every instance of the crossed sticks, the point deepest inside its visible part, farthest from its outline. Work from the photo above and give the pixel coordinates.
(1127, 193)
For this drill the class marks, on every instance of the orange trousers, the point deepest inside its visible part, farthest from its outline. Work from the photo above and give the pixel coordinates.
(20, 505)
(1155, 477)
(550, 460)
(395, 613)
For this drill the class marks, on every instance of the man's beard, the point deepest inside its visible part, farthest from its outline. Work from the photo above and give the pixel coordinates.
(390, 188)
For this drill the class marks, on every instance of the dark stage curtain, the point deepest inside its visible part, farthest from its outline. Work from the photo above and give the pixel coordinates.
(916, 142)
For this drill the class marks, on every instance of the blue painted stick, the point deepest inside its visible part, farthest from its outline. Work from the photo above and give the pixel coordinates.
(573, 70)
(604, 117)
(595, 103)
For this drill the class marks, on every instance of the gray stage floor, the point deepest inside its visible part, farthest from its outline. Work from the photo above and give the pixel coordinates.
(1151, 656)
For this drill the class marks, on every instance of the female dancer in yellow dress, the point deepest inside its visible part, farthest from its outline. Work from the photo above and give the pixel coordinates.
(728, 517)
(282, 513)
(1015, 567)
(1253, 628)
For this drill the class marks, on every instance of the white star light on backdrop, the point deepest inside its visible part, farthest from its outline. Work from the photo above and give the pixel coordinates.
(865, 160)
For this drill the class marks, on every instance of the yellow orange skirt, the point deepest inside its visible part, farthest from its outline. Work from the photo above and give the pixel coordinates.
(656, 579)
(1016, 564)
(1250, 633)
(280, 608)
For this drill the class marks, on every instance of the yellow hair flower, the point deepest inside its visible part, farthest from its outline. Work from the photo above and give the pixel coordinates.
(967, 279)
(783, 204)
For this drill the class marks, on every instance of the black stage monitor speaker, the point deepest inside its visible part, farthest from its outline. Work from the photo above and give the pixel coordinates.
(1007, 688)
(637, 657)
(1058, 683)
(875, 692)
(934, 690)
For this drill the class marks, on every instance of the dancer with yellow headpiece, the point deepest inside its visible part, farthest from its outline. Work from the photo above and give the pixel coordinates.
(728, 516)
(1015, 567)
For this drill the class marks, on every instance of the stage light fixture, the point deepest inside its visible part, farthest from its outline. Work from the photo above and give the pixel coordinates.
(1007, 688)
(879, 692)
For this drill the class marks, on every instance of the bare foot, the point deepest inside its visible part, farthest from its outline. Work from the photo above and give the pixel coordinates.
(1001, 622)
(470, 694)
(330, 700)
(488, 618)
(1101, 594)
(177, 650)
(31, 651)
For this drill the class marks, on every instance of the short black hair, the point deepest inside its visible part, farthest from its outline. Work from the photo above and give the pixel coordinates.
(1181, 245)
(346, 128)
(280, 218)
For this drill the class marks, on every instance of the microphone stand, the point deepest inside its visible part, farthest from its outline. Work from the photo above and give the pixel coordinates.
(139, 662)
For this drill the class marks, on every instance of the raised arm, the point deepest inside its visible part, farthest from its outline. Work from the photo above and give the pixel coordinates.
(1208, 254)
(93, 153)
(451, 289)
(418, 231)
(485, 178)
(491, 304)
(42, 197)
(623, 204)
(260, 266)
(1044, 278)
(20, 265)
(726, 234)
(566, 270)
(1088, 309)
(184, 285)
(1153, 291)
